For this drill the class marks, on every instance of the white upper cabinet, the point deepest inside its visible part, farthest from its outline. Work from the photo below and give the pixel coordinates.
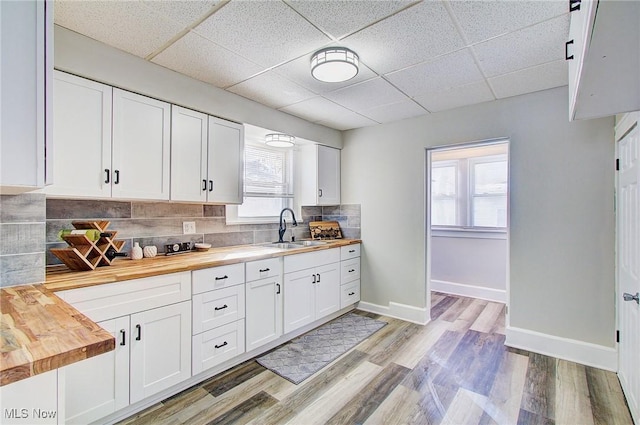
(188, 155)
(82, 131)
(225, 161)
(141, 137)
(206, 158)
(318, 175)
(603, 51)
(26, 68)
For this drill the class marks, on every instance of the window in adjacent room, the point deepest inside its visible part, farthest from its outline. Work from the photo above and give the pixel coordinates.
(469, 187)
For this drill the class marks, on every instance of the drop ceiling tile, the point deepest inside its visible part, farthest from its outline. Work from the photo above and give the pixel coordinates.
(203, 60)
(521, 49)
(456, 97)
(272, 90)
(347, 122)
(319, 109)
(547, 76)
(481, 20)
(366, 95)
(414, 35)
(130, 26)
(299, 70)
(394, 111)
(184, 13)
(452, 70)
(339, 18)
(267, 32)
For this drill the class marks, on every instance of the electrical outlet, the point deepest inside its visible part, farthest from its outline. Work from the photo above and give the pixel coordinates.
(188, 227)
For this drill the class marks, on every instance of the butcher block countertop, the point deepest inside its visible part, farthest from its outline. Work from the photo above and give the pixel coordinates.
(39, 332)
(60, 278)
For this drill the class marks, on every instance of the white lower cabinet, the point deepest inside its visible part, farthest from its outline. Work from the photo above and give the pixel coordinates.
(31, 401)
(218, 316)
(153, 345)
(264, 302)
(310, 293)
(350, 275)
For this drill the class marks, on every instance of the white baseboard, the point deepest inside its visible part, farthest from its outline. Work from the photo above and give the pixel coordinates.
(563, 348)
(408, 313)
(489, 294)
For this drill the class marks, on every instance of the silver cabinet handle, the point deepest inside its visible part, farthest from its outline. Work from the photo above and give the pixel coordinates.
(629, 297)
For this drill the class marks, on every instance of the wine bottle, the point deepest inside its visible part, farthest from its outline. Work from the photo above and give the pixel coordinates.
(91, 234)
(111, 253)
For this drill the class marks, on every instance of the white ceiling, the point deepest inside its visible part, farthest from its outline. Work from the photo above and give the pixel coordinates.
(417, 57)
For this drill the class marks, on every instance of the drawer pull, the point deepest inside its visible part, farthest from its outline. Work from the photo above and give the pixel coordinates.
(223, 277)
(204, 185)
(314, 278)
(574, 5)
(221, 308)
(222, 345)
(352, 270)
(264, 270)
(351, 293)
(123, 341)
(351, 251)
(139, 328)
(278, 285)
(318, 278)
(566, 50)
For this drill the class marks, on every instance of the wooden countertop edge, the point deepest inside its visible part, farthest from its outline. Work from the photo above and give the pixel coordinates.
(60, 278)
(28, 311)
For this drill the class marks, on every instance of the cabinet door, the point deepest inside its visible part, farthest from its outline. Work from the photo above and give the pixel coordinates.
(140, 146)
(264, 312)
(328, 176)
(299, 299)
(225, 160)
(160, 349)
(30, 401)
(84, 401)
(25, 77)
(82, 137)
(188, 155)
(327, 289)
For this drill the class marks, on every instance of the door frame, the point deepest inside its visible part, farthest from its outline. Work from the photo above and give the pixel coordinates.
(427, 214)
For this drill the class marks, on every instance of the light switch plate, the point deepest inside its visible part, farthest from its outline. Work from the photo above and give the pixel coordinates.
(188, 227)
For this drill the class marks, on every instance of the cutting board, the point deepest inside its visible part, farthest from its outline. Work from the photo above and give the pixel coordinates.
(325, 230)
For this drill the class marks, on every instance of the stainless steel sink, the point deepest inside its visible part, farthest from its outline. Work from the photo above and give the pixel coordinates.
(282, 245)
(310, 243)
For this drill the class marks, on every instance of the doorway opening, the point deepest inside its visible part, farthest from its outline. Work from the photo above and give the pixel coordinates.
(467, 221)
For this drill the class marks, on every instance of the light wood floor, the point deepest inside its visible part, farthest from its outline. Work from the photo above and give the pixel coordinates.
(455, 370)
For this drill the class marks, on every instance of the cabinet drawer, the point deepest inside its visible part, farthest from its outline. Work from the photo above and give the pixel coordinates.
(263, 269)
(103, 302)
(307, 260)
(349, 294)
(217, 277)
(350, 270)
(217, 346)
(349, 251)
(216, 308)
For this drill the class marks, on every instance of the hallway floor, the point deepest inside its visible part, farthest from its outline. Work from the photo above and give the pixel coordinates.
(455, 370)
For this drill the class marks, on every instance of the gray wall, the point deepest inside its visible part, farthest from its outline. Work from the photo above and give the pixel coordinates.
(562, 216)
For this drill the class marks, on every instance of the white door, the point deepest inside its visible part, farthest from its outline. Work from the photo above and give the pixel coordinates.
(628, 218)
(82, 138)
(84, 401)
(327, 289)
(299, 299)
(264, 311)
(226, 150)
(160, 349)
(328, 175)
(188, 155)
(141, 146)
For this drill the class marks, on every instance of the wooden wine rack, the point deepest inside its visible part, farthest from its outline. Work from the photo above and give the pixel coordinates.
(85, 254)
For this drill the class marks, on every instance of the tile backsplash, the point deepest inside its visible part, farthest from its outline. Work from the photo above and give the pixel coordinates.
(22, 239)
(159, 223)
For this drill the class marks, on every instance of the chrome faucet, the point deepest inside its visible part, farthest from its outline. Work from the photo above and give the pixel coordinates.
(283, 224)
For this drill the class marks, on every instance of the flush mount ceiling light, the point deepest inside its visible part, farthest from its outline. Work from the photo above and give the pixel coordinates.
(279, 140)
(334, 64)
